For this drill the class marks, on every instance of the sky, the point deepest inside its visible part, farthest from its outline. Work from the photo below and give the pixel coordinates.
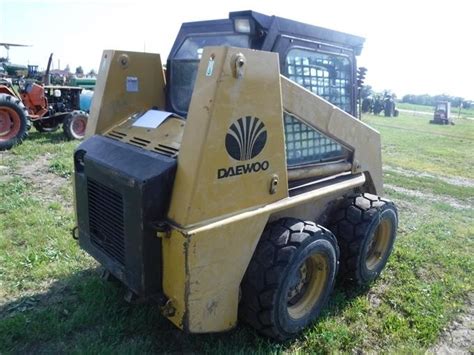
(412, 47)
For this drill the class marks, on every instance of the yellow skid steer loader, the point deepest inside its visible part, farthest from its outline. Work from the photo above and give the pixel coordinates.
(241, 184)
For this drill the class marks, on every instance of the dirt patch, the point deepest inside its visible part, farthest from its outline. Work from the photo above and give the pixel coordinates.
(430, 197)
(47, 186)
(375, 293)
(454, 180)
(458, 337)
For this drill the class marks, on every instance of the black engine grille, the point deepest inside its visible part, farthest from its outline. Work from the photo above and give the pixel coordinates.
(122, 191)
(106, 222)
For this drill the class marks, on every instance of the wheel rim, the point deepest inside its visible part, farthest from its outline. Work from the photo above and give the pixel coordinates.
(10, 123)
(307, 286)
(378, 245)
(79, 126)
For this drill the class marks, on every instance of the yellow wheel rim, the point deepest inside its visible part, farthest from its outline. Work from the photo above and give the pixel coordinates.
(378, 245)
(311, 280)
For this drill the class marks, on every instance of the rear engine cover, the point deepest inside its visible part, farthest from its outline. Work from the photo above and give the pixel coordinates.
(121, 192)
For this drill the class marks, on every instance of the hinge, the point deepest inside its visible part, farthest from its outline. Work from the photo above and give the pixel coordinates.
(162, 229)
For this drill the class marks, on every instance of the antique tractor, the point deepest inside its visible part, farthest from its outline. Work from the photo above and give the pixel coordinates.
(25, 101)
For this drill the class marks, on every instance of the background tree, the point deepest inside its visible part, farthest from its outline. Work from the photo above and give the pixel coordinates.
(429, 100)
(366, 91)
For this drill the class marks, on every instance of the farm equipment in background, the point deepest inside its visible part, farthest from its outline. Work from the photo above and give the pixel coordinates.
(442, 113)
(85, 83)
(389, 107)
(379, 104)
(25, 101)
(10, 69)
(232, 189)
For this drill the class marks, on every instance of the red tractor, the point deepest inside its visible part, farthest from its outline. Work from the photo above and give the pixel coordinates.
(23, 102)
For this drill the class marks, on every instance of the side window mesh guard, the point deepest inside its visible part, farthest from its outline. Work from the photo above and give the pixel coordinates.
(305, 145)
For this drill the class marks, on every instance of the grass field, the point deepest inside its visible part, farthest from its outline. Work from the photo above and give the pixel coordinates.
(52, 299)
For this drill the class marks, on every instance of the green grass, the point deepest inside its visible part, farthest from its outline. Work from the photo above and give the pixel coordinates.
(52, 299)
(411, 143)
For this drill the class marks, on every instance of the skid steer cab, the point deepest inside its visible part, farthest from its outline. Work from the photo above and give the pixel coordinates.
(241, 185)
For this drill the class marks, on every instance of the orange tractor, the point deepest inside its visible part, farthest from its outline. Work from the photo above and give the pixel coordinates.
(23, 102)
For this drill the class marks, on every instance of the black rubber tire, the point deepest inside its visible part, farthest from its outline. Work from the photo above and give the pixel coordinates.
(354, 224)
(281, 251)
(68, 125)
(12, 103)
(40, 126)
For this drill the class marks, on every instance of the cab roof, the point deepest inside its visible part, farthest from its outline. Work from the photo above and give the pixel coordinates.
(272, 26)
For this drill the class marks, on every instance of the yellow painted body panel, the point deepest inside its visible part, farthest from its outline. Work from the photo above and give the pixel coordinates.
(212, 263)
(219, 100)
(217, 262)
(128, 82)
(174, 274)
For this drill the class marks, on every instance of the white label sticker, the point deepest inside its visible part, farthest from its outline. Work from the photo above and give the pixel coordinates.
(210, 67)
(132, 84)
(151, 119)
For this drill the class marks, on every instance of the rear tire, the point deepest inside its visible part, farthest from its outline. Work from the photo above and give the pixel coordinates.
(13, 122)
(289, 279)
(74, 125)
(366, 227)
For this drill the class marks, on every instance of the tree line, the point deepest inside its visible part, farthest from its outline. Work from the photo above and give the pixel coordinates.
(366, 91)
(429, 100)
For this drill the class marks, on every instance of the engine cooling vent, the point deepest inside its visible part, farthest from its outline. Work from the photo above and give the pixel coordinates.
(139, 142)
(106, 224)
(144, 143)
(116, 135)
(166, 150)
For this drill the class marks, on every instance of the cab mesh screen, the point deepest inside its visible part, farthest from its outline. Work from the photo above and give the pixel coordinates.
(305, 145)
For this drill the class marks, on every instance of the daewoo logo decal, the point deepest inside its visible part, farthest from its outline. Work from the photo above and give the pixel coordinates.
(245, 139)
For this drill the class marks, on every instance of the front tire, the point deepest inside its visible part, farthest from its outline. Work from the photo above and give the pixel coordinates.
(366, 227)
(74, 125)
(290, 278)
(13, 122)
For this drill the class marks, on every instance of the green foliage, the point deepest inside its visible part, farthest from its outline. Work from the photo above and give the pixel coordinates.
(366, 91)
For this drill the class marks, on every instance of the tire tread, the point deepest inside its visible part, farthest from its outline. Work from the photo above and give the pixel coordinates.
(258, 294)
(350, 223)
